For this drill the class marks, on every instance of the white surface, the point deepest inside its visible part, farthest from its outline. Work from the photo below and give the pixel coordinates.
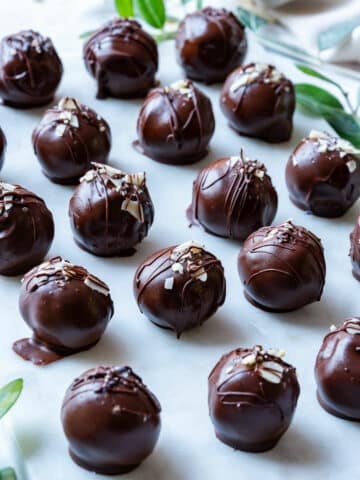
(317, 445)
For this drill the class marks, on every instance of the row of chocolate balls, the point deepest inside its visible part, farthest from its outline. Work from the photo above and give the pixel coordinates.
(122, 57)
(252, 397)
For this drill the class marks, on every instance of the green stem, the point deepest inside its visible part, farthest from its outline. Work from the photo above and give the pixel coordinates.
(7, 474)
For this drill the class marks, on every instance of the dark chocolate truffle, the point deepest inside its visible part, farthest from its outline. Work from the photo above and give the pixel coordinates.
(69, 137)
(110, 211)
(252, 398)
(67, 308)
(111, 420)
(233, 197)
(26, 229)
(175, 124)
(355, 249)
(210, 43)
(2, 148)
(282, 267)
(180, 287)
(259, 101)
(323, 175)
(123, 58)
(337, 371)
(30, 69)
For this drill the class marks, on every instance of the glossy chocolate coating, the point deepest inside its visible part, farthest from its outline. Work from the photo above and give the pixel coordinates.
(233, 197)
(123, 58)
(282, 268)
(355, 249)
(210, 43)
(259, 102)
(110, 211)
(67, 309)
(3, 144)
(26, 229)
(30, 69)
(175, 124)
(68, 138)
(337, 371)
(252, 398)
(180, 287)
(111, 420)
(323, 175)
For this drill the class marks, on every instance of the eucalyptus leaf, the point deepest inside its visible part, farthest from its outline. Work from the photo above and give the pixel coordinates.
(317, 96)
(7, 474)
(152, 11)
(250, 20)
(9, 394)
(332, 36)
(125, 8)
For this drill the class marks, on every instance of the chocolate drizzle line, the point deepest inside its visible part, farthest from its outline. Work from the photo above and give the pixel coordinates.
(287, 236)
(111, 380)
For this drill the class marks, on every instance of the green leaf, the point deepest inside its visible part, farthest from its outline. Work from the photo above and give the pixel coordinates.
(346, 126)
(7, 474)
(164, 36)
(9, 394)
(152, 11)
(314, 73)
(250, 20)
(316, 96)
(125, 8)
(335, 34)
(199, 4)
(85, 35)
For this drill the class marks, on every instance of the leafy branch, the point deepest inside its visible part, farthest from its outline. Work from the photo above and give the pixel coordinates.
(321, 103)
(8, 397)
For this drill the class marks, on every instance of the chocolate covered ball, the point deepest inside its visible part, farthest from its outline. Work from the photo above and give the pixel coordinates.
(180, 287)
(233, 197)
(26, 229)
(282, 268)
(259, 101)
(30, 69)
(122, 58)
(2, 148)
(111, 420)
(323, 175)
(210, 43)
(68, 139)
(67, 309)
(175, 124)
(337, 371)
(110, 211)
(355, 249)
(252, 398)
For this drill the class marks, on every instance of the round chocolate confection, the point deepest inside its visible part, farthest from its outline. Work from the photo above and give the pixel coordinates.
(210, 43)
(30, 69)
(26, 229)
(259, 101)
(111, 420)
(355, 249)
(180, 287)
(337, 371)
(67, 309)
(69, 137)
(110, 211)
(123, 58)
(282, 268)
(175, 124)
(2, 148)
(252, 398)
(233, 197)
(323, 175)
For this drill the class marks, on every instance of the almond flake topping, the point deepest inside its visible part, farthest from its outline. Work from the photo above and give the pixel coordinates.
(253, 72)
(268, 368)
(353, 327)
(329, 143)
